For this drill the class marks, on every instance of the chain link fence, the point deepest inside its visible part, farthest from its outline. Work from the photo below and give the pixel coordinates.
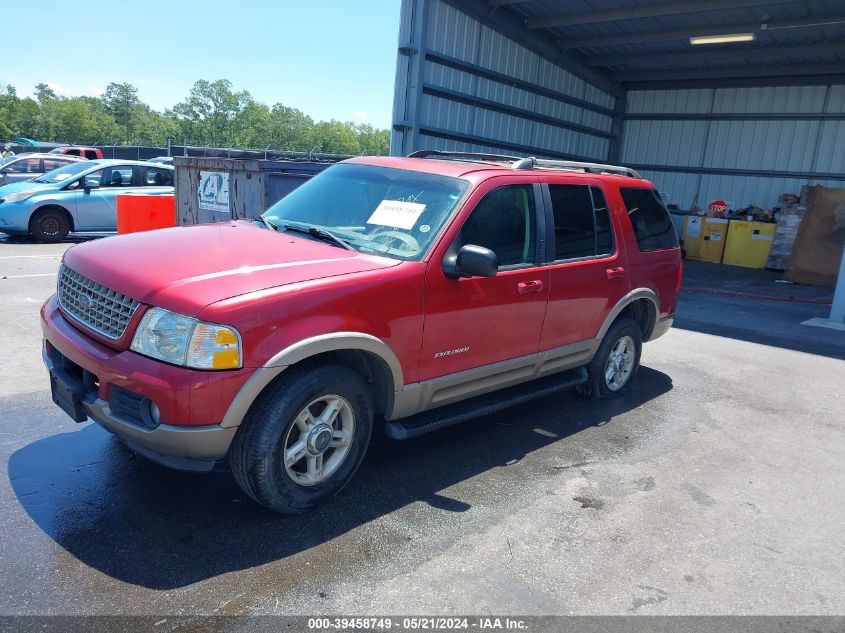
(145, 152)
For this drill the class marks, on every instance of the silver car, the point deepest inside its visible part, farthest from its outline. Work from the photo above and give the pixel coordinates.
(29, 166)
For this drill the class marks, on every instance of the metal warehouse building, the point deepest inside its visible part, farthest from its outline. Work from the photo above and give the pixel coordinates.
(621, 81)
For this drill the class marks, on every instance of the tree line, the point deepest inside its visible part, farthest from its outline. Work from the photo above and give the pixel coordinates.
(212, 114)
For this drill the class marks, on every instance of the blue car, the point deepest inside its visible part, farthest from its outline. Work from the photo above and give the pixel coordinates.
(81, 196)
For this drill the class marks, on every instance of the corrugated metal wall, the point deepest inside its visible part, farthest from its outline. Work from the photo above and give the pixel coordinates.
(454, 92)
(781, 137)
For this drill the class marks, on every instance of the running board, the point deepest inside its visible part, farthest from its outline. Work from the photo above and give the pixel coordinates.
(440, 418)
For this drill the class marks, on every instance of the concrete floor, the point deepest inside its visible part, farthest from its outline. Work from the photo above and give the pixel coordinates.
(715, 487)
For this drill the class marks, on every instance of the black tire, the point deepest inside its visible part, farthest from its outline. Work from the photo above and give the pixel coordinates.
(49, 224)
(256, 454)
(597, 386)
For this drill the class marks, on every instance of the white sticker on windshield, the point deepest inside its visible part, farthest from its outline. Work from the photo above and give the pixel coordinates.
(397, 213)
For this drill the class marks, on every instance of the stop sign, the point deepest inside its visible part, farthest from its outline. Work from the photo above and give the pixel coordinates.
(717, 208)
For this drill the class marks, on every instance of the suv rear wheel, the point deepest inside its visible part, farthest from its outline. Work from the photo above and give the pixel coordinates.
(615, 365)
(304, 439)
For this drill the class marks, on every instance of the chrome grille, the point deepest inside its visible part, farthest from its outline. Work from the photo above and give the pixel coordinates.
(103, 310)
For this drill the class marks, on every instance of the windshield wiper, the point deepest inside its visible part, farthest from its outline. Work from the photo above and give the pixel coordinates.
(267, 223)
(321, 234)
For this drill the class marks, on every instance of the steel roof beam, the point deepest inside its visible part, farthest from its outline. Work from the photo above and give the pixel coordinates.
(731, 54)
(736, 82)
(506, 22)
(645, 11)
(731, 72)
(818, 21)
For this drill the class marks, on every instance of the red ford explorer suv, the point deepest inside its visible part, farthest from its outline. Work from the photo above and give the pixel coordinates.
(393, 295)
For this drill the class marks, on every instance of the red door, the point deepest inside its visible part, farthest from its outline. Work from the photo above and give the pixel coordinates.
(588, 276)
(473, 322)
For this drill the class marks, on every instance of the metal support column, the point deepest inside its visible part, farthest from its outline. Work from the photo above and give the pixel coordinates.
(837, 309)
(614, 151)
(410, 63)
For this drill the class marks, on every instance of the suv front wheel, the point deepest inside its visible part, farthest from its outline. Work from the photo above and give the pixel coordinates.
(304, 439)
(616, 362)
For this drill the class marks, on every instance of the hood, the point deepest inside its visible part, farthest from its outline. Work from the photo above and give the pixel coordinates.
(25, 185)
(185, 269)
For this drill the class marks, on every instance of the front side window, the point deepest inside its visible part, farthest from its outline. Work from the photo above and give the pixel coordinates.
(110, 177)
(651, 221)
(117, 176)
(380, 210)
(582, 222)
(503, 221)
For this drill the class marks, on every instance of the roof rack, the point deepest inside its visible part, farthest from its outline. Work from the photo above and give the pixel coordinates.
(518, 162)
(471, 156)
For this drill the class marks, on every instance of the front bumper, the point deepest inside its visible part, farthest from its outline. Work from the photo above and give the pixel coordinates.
(14, 217)
(197, 448)
(192, 403)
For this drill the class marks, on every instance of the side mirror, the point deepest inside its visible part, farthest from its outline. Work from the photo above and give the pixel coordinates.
(91, 183)
(476, 261)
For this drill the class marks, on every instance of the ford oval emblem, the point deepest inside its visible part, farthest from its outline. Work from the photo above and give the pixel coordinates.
(86, 301)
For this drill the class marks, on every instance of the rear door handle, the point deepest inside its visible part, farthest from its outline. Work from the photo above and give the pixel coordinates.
(616, 273)
(529, 287)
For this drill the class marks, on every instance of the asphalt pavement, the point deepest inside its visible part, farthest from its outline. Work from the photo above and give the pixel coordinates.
(715, 487)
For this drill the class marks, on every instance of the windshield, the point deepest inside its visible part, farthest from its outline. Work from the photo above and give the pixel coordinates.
(379, 210)
(63, 173)
(7, 159)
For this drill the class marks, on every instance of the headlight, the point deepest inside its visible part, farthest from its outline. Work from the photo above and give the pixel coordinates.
(181, 340)
(17, 196)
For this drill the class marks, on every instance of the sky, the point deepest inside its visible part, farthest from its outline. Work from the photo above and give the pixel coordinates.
(332, 59)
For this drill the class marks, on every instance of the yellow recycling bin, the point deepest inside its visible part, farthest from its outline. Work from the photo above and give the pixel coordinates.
(749, 243)
(704, 238)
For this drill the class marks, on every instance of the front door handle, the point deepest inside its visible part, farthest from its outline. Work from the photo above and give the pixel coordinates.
(616, 273)
(529, 287)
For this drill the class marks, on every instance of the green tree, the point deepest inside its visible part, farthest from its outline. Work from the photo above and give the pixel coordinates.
(290, 129)
(25, 122)
(210, 111)
(373, 142)
(45, 93)
(335, 137)
(9, 106)
(213, 113)
(121, 101)
(251, 125)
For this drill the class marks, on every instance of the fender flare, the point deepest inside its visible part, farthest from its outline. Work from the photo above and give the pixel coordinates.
(624, 302)
(306, 348)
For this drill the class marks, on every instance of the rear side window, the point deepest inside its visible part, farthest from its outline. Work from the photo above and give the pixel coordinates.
(156, 177)
(582, 223)
(650, 219)
(54, 163)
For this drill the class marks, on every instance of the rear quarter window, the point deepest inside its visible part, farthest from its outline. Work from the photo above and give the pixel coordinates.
(650, 219)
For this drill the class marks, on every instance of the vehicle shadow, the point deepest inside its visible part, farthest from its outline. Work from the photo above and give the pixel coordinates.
(161, 529)
(775, 324)
(73, 238)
